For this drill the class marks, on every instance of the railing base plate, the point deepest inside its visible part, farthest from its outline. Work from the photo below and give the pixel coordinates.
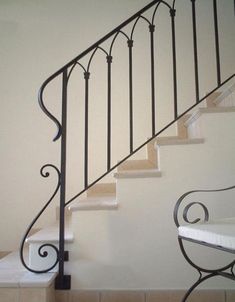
(63, 282)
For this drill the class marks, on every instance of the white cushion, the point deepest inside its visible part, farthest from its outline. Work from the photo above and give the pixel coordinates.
(218, 232)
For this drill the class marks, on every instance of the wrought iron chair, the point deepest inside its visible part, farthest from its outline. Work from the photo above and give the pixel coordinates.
(217, 234)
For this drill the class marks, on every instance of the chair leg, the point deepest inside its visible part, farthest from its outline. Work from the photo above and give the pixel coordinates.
(198, 282)
(209, 272)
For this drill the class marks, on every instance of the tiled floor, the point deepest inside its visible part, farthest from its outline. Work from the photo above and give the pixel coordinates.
(49, 295)
(142, 296)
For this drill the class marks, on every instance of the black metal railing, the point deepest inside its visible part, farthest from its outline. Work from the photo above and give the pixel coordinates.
(65, 74)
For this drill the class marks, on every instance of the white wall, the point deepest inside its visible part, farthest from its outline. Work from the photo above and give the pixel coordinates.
(136, 246)
(36, 39)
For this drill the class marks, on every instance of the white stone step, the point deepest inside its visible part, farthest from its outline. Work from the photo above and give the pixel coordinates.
(200, 111)
(142, 173)
(50, 234)
(165, 141)
(106, 202)
(14, 275)
(227, 96)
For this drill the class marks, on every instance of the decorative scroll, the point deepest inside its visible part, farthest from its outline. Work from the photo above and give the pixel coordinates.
(186, 209)
(43, 249)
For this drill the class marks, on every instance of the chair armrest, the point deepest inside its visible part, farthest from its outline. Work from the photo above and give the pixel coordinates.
(187, 207)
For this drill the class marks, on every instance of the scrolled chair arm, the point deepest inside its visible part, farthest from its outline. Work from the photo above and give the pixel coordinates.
(187, 207)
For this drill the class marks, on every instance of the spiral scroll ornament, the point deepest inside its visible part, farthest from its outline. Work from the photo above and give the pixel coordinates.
(186, 211)
(43, 250)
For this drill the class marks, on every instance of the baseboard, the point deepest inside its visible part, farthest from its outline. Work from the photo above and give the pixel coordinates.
(143, 296)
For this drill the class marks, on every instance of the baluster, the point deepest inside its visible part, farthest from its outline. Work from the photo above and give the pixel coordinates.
(217, 52)
(152, 29)
(172, 14)
(63, 281)
(109, 61)
(86, 77)
(195, 50)
(130, 45)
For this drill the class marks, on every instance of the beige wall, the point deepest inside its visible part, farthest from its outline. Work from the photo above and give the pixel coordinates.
(36, 39)
(136, 247)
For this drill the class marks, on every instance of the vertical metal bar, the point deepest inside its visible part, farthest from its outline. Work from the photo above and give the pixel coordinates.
(86, 77)
(152, 29)
(172, 14)
(130, 45)
(217, 52)
(109, 61)
(63, 179)
(195, 50)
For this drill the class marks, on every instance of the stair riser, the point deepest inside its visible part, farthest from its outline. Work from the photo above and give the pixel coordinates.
(102, 189)
(151, 153)
(136, 165)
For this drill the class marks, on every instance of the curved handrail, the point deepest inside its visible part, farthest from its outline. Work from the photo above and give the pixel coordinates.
(46, 111)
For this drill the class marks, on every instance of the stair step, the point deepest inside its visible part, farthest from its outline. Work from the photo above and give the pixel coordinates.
(181, 128)
(143, 173)
(14, 274)
(67, 213)
(136, 165)
(95, 203)
(221, 96)
(4, 254)
(102, 189)
(50, 234)
(151, 153)
(200, 111)
(165, 141)
(217, 109)
(211, 100)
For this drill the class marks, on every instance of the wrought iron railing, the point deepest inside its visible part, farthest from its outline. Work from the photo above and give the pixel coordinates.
(65, 74)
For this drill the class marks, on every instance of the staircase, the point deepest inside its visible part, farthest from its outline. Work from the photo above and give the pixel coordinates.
(87, 249)
(105, 236)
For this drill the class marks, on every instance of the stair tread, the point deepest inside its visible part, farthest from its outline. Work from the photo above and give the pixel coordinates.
(105, 202)
(140, 173)
(217, 109)
(200, 111)
(178, 141)
(51, 234)
(222, 95)
(14, 274)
